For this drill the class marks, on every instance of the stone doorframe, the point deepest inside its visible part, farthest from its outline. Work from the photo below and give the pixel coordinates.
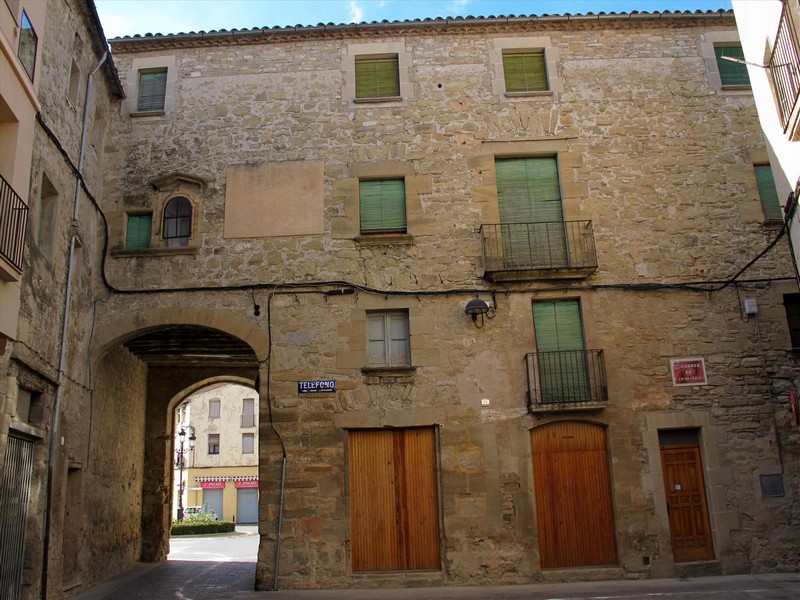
(717, 479)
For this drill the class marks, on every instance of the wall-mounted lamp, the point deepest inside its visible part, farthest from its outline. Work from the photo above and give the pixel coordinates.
(477, 307)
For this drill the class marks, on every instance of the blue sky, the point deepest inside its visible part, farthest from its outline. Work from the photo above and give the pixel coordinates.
(130, 17)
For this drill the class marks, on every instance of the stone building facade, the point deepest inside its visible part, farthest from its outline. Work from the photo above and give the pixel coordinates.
(622, 380)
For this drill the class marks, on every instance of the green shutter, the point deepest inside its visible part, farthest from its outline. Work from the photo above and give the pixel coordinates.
(152, 90)
(731, 73)
(382, 205)
(563, 371)
(378, 77)
(525, 72)
(768, 194)
(137, 234)
(532, 221)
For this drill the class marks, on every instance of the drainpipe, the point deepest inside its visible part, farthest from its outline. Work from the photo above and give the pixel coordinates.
(62, 358)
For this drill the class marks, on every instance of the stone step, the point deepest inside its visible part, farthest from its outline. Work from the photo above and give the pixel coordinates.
(582, 574)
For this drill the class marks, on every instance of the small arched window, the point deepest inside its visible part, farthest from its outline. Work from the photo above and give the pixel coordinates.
(177, 222)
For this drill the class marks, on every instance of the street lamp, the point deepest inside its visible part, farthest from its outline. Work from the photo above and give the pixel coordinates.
(192, 438)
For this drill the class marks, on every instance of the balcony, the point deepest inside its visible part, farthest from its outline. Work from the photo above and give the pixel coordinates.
(784, 66)
(566, 380)
(538, 251)
(13, 221)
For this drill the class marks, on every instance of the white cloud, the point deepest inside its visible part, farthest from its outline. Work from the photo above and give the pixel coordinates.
(356, 12)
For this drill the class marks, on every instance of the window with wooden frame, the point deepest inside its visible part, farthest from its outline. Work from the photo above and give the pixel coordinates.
(394, 500)
(137, 230)
(768, 193)
(152, 91)
(177, 227)
(213, 443)
(377, 77)
(388, 339)
(525, 71)
(382, 206)
(732, 72)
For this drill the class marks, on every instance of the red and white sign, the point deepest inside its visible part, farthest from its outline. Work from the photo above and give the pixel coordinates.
(247, 484)
(688, 371)
(212, 485)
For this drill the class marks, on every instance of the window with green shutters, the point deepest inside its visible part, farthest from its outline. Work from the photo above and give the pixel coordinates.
(531, 215)
(377, 77)
(152, 90)
(525, 71)
(137, 232)
(382, 206)
(563, 369)
(732, 73)
(768, 194)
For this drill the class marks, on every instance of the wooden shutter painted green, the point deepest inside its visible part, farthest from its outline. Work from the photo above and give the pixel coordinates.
(768, 194)
(378, 77)
(531, 216)
(137, 234)
(731, 73)
(382, 205)
(563, 371)
(152, 90)
(525, 72)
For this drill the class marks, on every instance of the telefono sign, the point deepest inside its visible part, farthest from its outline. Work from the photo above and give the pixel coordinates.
(316, 387)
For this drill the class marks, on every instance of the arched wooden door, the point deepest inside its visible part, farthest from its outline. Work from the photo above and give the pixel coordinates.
(572, 484)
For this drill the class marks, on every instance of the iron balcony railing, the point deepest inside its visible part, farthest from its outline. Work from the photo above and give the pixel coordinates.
(552, 245)
(784, 64)
(569, 377)
(13, 221)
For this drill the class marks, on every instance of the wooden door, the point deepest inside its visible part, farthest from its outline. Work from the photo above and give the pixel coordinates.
(394, 500)
(689, 525)
(572, 483)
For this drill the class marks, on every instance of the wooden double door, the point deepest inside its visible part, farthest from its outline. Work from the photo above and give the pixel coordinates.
(574, 506)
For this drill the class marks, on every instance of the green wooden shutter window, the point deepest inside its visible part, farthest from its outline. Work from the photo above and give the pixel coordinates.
(528, 191)
(377, 77)
(525, 72)
(730, 72)
(563, 370)
(152, 90)
(382, 204)
(768, 193)
(138, 231)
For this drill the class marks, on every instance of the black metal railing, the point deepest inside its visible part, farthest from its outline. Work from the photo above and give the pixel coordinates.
(13, 221)
(566, 377)
(784, 65)
(248, 420)
(553, 245)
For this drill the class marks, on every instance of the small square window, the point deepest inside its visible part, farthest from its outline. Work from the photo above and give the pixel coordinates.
(377, 77)
(388, 339)
(382, 206)
(152, 90)
(213, 409)
(791, 304)
(248, 443)
(28, 41)
(732, 69)
(768, 194)
(525, 71)
(137, 231)
(213, 443)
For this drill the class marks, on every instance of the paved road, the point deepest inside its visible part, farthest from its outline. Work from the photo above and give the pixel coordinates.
(223, 567)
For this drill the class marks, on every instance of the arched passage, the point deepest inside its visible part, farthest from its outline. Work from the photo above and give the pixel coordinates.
(140, 377)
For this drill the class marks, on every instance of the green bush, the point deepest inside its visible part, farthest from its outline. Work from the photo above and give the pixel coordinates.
(195, 526)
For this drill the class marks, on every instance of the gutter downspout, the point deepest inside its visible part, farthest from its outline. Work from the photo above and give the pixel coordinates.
(62, 358)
